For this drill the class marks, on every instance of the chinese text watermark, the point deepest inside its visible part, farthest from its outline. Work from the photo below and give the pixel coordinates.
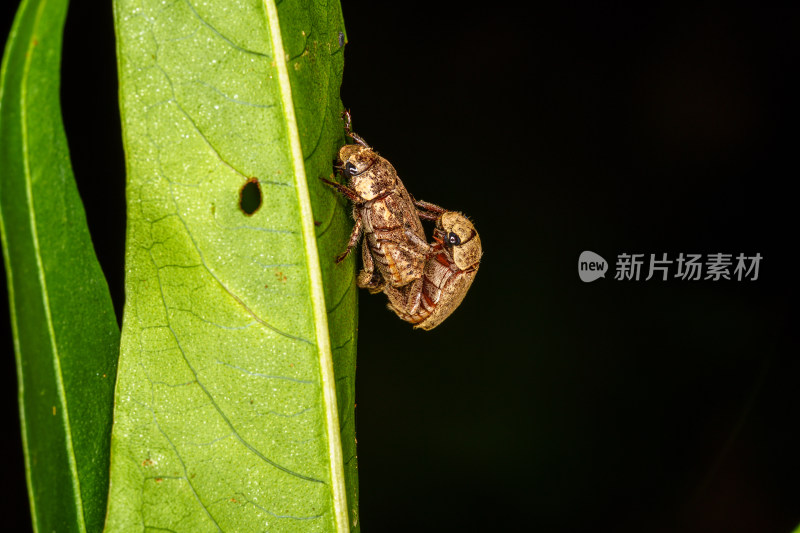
(687, 267)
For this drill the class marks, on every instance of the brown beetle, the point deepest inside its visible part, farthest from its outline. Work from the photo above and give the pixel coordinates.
(448, 274)
(384, 210)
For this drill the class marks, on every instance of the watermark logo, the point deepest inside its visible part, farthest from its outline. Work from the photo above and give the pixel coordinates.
(591, 266)
(685, 267)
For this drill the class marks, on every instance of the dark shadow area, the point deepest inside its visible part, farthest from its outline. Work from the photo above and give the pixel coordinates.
(545, 403)
(92, 123)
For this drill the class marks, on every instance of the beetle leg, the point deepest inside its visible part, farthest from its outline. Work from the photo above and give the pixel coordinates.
(348, 121)
(378, 284)
(355, 236)
(357, 138)
(368, 278)
(405, 301)
(367, 262)
(397, 301)
(373, 284)
(348, 128)
(424, 215)
(414, 296)
(347, 191)
(417, 244)
(392, 293)
(407, 240)
(427, 209)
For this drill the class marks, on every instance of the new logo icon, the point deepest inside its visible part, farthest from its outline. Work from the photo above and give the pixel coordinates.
(591, 266)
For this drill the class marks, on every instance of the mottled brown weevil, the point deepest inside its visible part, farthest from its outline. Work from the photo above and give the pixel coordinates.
(385, 212)
(450, 268)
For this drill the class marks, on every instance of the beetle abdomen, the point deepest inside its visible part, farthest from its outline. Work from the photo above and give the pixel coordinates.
(441, 278)
(385, 225)
(398, 265)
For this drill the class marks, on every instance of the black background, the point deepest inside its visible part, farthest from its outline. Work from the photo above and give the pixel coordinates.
(545, 403)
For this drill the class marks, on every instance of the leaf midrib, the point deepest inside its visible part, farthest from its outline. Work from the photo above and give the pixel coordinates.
(335, 457)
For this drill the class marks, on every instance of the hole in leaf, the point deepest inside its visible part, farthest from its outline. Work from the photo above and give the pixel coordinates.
(250, 197)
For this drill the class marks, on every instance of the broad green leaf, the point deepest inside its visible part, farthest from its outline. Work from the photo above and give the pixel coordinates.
(65, 335)
(234, 403)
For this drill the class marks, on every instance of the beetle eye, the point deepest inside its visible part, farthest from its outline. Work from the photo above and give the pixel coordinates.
(453, 239)
(350, 168)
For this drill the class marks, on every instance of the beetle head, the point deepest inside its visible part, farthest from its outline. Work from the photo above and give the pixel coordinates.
(459, 236)
(359, 157)
(369, 174)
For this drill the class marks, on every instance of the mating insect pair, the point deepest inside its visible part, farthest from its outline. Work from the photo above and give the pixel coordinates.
(425, 282)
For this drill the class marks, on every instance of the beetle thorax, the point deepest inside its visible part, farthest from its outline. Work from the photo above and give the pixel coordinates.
(373, 183)
(374, 176)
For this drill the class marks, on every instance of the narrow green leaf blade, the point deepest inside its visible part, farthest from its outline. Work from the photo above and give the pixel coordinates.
(65, 334)
(237, 366)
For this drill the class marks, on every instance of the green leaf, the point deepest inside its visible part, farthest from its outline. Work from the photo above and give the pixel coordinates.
(65, 334)
(234, 403)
